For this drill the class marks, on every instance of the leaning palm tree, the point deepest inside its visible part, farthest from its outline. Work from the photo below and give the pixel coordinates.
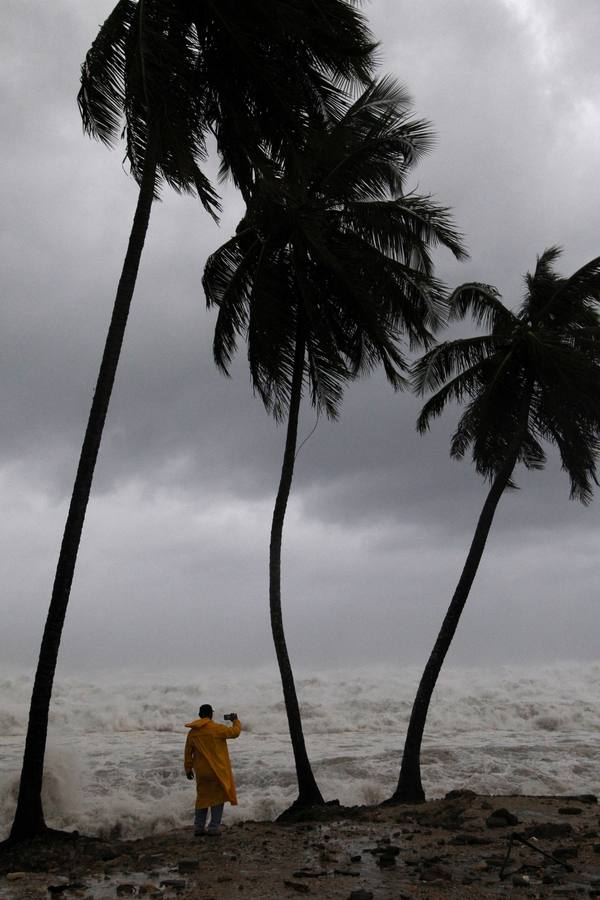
(328, 270)
(534, 378)
(170, 72)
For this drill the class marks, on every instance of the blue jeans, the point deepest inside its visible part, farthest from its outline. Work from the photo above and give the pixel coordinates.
(216, 813)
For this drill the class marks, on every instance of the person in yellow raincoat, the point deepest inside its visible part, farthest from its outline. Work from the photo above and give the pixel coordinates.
(207, 759)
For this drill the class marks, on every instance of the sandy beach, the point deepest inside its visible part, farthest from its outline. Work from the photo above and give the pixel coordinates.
(455, 847)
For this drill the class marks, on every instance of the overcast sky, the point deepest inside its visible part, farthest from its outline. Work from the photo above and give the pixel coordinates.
(172, 569)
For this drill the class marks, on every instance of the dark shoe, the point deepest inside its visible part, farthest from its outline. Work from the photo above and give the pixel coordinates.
(213, 832)
(199, 832)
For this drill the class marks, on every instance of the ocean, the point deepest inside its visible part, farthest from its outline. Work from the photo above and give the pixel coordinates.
(115, 743)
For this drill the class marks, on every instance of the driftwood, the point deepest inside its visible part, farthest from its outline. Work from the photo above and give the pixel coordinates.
(518, 838)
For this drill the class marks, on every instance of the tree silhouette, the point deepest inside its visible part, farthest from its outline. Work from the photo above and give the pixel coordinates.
(329, 270)
(171, 72)
(534, 378)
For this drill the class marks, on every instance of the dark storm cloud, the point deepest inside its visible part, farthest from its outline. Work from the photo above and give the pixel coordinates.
(189, 461)
(491, 108)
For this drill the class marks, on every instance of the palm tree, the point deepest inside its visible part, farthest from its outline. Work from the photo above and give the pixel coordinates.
(171, 71)
(327, 271)
(534, 378)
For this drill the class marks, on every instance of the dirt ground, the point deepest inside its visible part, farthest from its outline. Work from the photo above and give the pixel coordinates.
(464, 846)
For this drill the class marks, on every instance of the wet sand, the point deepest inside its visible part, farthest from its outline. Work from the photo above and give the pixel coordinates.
(455, 847)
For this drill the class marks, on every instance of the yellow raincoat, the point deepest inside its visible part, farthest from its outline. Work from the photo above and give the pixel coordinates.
(206, 754)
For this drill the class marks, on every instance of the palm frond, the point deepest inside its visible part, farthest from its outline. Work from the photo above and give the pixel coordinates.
(270, 64)
(463, 385)
(368, 151)
(412, 301)
(482, 302)
(429, 223)
(405, 228)
(433, 369)
(101, 97)
(227, 284)
(544, 268)
(582, 287)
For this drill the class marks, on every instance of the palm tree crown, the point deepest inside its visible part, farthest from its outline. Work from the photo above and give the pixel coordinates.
(139, 79)
(248, 72)
(331, 245)
(546, 354)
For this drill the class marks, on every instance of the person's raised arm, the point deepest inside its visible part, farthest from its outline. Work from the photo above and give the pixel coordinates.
(236, 727)
(228, 732)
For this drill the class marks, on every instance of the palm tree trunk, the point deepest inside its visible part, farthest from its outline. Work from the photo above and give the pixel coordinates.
(410, 787)
(29, 816)
(308, 791)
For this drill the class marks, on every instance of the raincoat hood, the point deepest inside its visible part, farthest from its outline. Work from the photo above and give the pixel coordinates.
(198, 723)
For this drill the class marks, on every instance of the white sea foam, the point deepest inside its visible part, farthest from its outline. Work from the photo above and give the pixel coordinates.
(115, 745)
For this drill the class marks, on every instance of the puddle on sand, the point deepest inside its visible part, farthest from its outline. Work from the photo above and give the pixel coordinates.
(96, 887)
(141, 884)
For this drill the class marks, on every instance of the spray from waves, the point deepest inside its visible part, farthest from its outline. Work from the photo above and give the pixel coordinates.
(115, 745)
(550, 698)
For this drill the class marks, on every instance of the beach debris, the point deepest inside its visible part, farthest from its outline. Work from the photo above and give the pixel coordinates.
(501, 818)
(187, 865)
(385, 849)
(566, 852)
(310, 873)
(297, 886)
(435, 872)
(385, 852)
(57, 889)
(15, 876)
(494, 862)
(518, 838)
(521, 880)
(469, 840)
(449, 814)
(569, 810)
(550, 830)
(361, 895)
(461, 794)
(349, 873)
(125, 889)
(176, 884)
